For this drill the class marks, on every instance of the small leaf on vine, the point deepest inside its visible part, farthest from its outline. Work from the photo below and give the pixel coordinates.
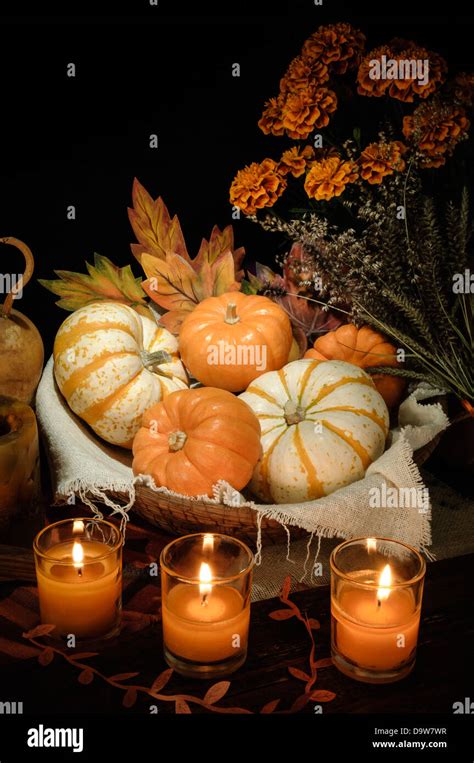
(182, 707)
(326, 662)
(299, 703)
(85, 677)
(322, 695)
(83, 655)
(161, 680)
(282, 614)
(40, 630)
(123, 676)
(216, 692)
(46, 656)
(130, 697)
(270, 707)
(314, 624)
(299, 674)
(286, 587)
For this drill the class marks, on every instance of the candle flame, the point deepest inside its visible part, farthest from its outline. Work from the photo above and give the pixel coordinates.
(208, 542)
(77, 555)
(205, 577)
(385, 582)
(371, 544)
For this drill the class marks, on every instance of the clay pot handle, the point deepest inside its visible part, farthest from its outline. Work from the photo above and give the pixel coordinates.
(29, 267)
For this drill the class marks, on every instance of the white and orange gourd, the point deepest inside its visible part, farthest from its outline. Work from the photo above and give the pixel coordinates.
(323, 423)
(112, 364)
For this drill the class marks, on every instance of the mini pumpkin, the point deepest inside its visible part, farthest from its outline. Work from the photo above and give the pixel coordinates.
(230, 340)
(196, 437)
(366, 348)
(111, 364)
(323, 424)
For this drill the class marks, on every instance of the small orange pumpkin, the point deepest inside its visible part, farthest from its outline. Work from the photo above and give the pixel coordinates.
(364, 348)
(230, 340)
(196, 437)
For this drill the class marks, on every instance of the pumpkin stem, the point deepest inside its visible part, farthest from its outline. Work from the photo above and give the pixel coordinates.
(176, 440)
(231, 313)
(155, 358)
(23, 280)
(293, 412)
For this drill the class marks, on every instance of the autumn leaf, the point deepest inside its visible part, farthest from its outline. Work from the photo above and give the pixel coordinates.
(156, 231)
(177, 286)
(130, 697)
(314, 624)
(46, 656)
(270, 707)
(123, 676)
(326, 662)
(84, 655)
(220, 242)
(285, 591)
(182, 707)
(322, 695)
(41, 630)
(103, 281)
(299, 674)
(85, 677)
(299, 703)
(282, 614)
(161, 681)
(216, 692)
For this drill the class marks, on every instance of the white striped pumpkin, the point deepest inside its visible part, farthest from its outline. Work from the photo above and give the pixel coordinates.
(322, 423)
(103, 368)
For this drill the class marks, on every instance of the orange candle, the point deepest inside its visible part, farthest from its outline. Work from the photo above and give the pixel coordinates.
(375, 615)
(79, 582)
(205, 617)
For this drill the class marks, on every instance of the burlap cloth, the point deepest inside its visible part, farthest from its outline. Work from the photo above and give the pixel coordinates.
(83, 466)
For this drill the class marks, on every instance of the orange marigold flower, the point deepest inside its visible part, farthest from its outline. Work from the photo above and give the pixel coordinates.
(306, 109)
(271, 119)
(463, 88)
(393, 69)
(295, 161)
(339, 46)
(302, 73)
(381, 159)
(257, 186)
(435, 128)
(329, 178)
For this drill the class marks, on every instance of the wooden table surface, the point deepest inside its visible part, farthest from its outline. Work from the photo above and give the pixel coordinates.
(439, 679)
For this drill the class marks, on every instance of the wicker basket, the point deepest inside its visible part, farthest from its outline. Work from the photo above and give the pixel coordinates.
(180, 516)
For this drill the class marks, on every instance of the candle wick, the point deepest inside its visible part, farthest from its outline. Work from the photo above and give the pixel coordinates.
(79, 571)
(204, 600)
(379, 602)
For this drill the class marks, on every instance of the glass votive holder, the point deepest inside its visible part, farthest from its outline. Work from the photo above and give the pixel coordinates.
(79, 573)
(206, 581)
(376, 593)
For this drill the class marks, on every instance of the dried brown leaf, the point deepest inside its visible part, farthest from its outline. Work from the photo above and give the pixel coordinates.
(40, 630)
(326, 662)
(161, 680)
(270, 707)
(285, 591)
(123, 676)
(182, 707)
(314, 624)
(85, 677)
(299, 674)
(46, 656)
(322, 695)
(282, 614)
(299, 703)
(130, 697)
(216, 692)
(83, 655)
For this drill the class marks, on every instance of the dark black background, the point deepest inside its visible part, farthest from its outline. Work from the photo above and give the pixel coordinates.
(166, 70)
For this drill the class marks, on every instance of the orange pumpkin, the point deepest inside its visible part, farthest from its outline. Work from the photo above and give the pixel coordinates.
(230, 340)
(195, 437)
(364, 348)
